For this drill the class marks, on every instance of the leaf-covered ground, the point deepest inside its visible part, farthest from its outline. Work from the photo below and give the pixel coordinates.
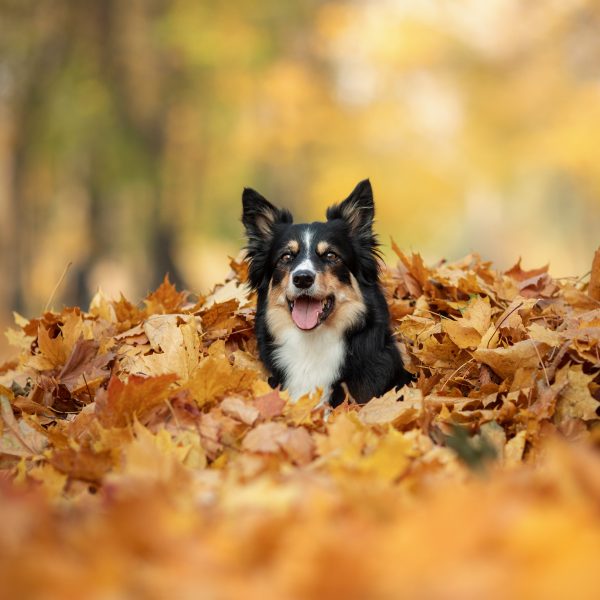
(143, 455)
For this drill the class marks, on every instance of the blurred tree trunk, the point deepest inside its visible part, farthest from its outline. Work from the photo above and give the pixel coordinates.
(101, 29)
(35, 76)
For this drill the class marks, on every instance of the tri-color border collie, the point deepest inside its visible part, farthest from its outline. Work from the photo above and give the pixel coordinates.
(322, 319)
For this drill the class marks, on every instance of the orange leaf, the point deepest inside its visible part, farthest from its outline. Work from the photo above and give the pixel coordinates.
(166, 299)
(120, 402)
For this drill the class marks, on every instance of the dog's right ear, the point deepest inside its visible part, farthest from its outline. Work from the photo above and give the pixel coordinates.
(260, 217)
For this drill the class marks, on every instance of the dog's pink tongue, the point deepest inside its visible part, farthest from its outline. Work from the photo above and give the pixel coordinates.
(306, 312)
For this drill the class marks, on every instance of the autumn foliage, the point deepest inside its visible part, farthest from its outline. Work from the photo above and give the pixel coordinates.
(143, 454)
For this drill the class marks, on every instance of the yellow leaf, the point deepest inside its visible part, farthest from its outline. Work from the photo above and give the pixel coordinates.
(18, 339)
(505, 361)
(389, 459)
(214, 377)
(345, 438)
(176, 344)
(513, 451)
(152, 457)
(302, 412)
(467, 331)
(53, 350)
(539, 333)
(52, 480)
(396, 407)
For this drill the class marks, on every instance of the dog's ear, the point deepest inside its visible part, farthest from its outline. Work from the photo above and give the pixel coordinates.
(358, 209)
(260, 217)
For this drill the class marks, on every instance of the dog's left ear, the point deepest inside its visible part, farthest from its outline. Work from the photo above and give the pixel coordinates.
(259, 215)
(358, 209)
(260, 219)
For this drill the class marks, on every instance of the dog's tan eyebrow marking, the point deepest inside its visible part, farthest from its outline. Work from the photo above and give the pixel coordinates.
(294, 246)
(322, 247)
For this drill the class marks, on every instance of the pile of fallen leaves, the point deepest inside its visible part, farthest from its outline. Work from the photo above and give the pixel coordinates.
(143, 455)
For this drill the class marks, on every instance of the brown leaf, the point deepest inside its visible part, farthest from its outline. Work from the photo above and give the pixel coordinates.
(17, 438)
(594, 284)
(575, 399)
(82, 464)
(120, 402)
(516, 272)
(222, 318)
(84, 362)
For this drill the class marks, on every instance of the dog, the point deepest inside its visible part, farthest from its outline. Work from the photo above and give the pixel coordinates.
(322, 319)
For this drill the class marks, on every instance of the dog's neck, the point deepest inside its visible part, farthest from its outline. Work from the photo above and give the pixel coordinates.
(309, 359)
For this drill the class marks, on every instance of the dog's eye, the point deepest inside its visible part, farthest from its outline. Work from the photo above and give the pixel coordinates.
(332, 256)
(286, 257)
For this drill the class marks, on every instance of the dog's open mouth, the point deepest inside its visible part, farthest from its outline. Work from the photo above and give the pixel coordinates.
(308, 312)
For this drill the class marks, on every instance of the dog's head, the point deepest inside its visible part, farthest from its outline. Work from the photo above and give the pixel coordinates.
(312, 273)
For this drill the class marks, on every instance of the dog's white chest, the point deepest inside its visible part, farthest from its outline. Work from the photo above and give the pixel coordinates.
(310, 359)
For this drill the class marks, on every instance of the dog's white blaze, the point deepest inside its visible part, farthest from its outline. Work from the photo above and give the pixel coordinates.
(310, 359)
(305, 265)
(308, 235)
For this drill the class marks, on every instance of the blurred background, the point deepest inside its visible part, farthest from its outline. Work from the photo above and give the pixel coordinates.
(128, 129)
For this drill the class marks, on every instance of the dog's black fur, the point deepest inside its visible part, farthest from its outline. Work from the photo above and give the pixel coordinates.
(347, 268)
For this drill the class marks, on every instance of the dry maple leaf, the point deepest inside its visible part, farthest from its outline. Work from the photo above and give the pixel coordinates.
(127, 314)
(17, 438)
(84, 365)
(221, 319)
(395, 407)
(121, 402)
(239, 267)
(176, 344)
(165, 299)
(467, 331)
(214, 377)
(506, 361)
(575, 399)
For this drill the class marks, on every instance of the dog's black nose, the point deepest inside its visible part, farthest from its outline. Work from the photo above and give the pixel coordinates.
(303, 279)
